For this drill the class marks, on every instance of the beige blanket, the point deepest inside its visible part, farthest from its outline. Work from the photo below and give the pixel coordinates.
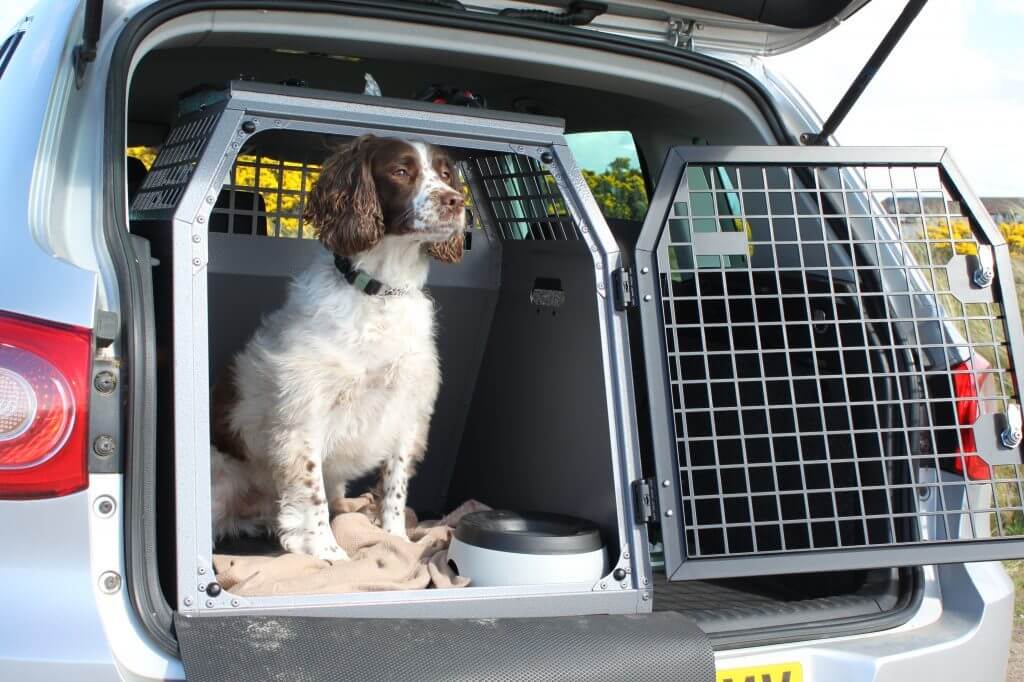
(378, 560)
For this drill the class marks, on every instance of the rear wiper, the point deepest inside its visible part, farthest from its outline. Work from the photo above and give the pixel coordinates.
(579, 13)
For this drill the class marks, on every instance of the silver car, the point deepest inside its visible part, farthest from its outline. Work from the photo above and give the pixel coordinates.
(811, 464)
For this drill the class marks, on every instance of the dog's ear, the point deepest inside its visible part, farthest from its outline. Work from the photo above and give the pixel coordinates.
(449, 251)
(343, 206)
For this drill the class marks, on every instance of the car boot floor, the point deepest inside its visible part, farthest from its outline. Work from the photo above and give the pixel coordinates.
(722, 606)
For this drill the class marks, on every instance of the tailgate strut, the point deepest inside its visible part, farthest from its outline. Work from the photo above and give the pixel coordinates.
(85, 52)
(874, 63)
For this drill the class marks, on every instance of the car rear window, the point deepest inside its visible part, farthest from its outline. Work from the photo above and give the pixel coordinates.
(611, 166)
(7, 49)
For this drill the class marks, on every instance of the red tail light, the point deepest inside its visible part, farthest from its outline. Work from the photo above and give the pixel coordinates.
(968, 408)
(44, 378)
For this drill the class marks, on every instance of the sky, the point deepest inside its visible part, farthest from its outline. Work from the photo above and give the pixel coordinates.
(955, 80)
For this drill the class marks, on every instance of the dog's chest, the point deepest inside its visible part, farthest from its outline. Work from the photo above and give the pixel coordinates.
(390, 360)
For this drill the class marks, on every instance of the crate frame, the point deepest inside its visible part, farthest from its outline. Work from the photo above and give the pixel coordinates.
(246, 109)
(933, 544)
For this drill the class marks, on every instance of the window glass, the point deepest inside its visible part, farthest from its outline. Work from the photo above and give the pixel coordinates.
(611, 166)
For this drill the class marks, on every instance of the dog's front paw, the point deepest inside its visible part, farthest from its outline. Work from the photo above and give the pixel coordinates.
(320, 545)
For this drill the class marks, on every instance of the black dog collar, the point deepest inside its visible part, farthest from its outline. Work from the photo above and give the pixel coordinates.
(362, 281)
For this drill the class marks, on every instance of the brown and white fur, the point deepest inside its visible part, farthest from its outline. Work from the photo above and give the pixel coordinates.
(338, 383)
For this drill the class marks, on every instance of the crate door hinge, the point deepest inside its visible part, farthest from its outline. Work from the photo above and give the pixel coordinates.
(623, 288)
(644, 501)
(680, 33)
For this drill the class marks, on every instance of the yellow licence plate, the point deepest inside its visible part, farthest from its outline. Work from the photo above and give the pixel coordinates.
(783, 672)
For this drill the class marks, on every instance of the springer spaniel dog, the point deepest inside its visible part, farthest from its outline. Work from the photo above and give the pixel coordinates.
(342, 380)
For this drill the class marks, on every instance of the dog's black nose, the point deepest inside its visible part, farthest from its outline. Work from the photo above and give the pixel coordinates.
(453, 200)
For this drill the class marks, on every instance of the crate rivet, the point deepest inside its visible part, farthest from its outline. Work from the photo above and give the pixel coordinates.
(600, 286)
(105, 382)
(599, 265)
(209, 603)
(105, 506)
(196, 238)
(248, 127)
(202, 571)
(622, 586)
(644, 270)
(110, 582)
(196, 262)
(625, 555)
(210, 200)
(235, 602)
(647, 297)
(187, 601)
(103, 446)
(646, 596)
(666, 483)
(200, 219)
(644, 581)
(277, 122)
(202, 587)
(669, 512)
(604, 586)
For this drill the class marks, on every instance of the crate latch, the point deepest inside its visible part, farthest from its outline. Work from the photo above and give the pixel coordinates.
(645, 504)
(623, 289)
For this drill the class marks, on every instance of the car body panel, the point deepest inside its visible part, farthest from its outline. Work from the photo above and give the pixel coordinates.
(60, 624)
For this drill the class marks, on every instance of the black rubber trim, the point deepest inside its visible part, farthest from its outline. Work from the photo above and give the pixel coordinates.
(142, 580)
(650, 647)
(911, 582)
(152, 607)
(528, 532)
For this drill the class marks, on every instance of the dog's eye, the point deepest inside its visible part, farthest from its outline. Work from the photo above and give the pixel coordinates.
(400, 172)
(445, 175)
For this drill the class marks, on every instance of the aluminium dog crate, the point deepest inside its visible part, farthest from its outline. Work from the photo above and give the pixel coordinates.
(536, 265)
(800, 309)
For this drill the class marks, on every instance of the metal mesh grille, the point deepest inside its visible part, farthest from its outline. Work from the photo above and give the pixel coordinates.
(524, 199)
(811, 315)
(173, 167)
(265, 196)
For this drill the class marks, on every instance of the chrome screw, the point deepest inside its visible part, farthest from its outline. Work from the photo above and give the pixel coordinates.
(104, 506)
(103, 446)
(105, 382)
(110, 582)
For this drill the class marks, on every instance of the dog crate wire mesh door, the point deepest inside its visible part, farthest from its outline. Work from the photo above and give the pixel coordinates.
(831, 337)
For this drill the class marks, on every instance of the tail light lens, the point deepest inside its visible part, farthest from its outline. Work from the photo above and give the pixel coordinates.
(44, 376)
(966, 385)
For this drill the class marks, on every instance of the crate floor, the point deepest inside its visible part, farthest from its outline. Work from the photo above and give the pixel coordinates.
(718, 606)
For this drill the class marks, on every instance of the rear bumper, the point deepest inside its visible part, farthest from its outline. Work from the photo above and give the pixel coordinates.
(961, 632)
(59, 624)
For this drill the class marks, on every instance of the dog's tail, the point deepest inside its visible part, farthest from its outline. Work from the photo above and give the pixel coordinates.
(240, 503)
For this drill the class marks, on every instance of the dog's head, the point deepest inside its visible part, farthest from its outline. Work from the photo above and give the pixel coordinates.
(375, 186)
